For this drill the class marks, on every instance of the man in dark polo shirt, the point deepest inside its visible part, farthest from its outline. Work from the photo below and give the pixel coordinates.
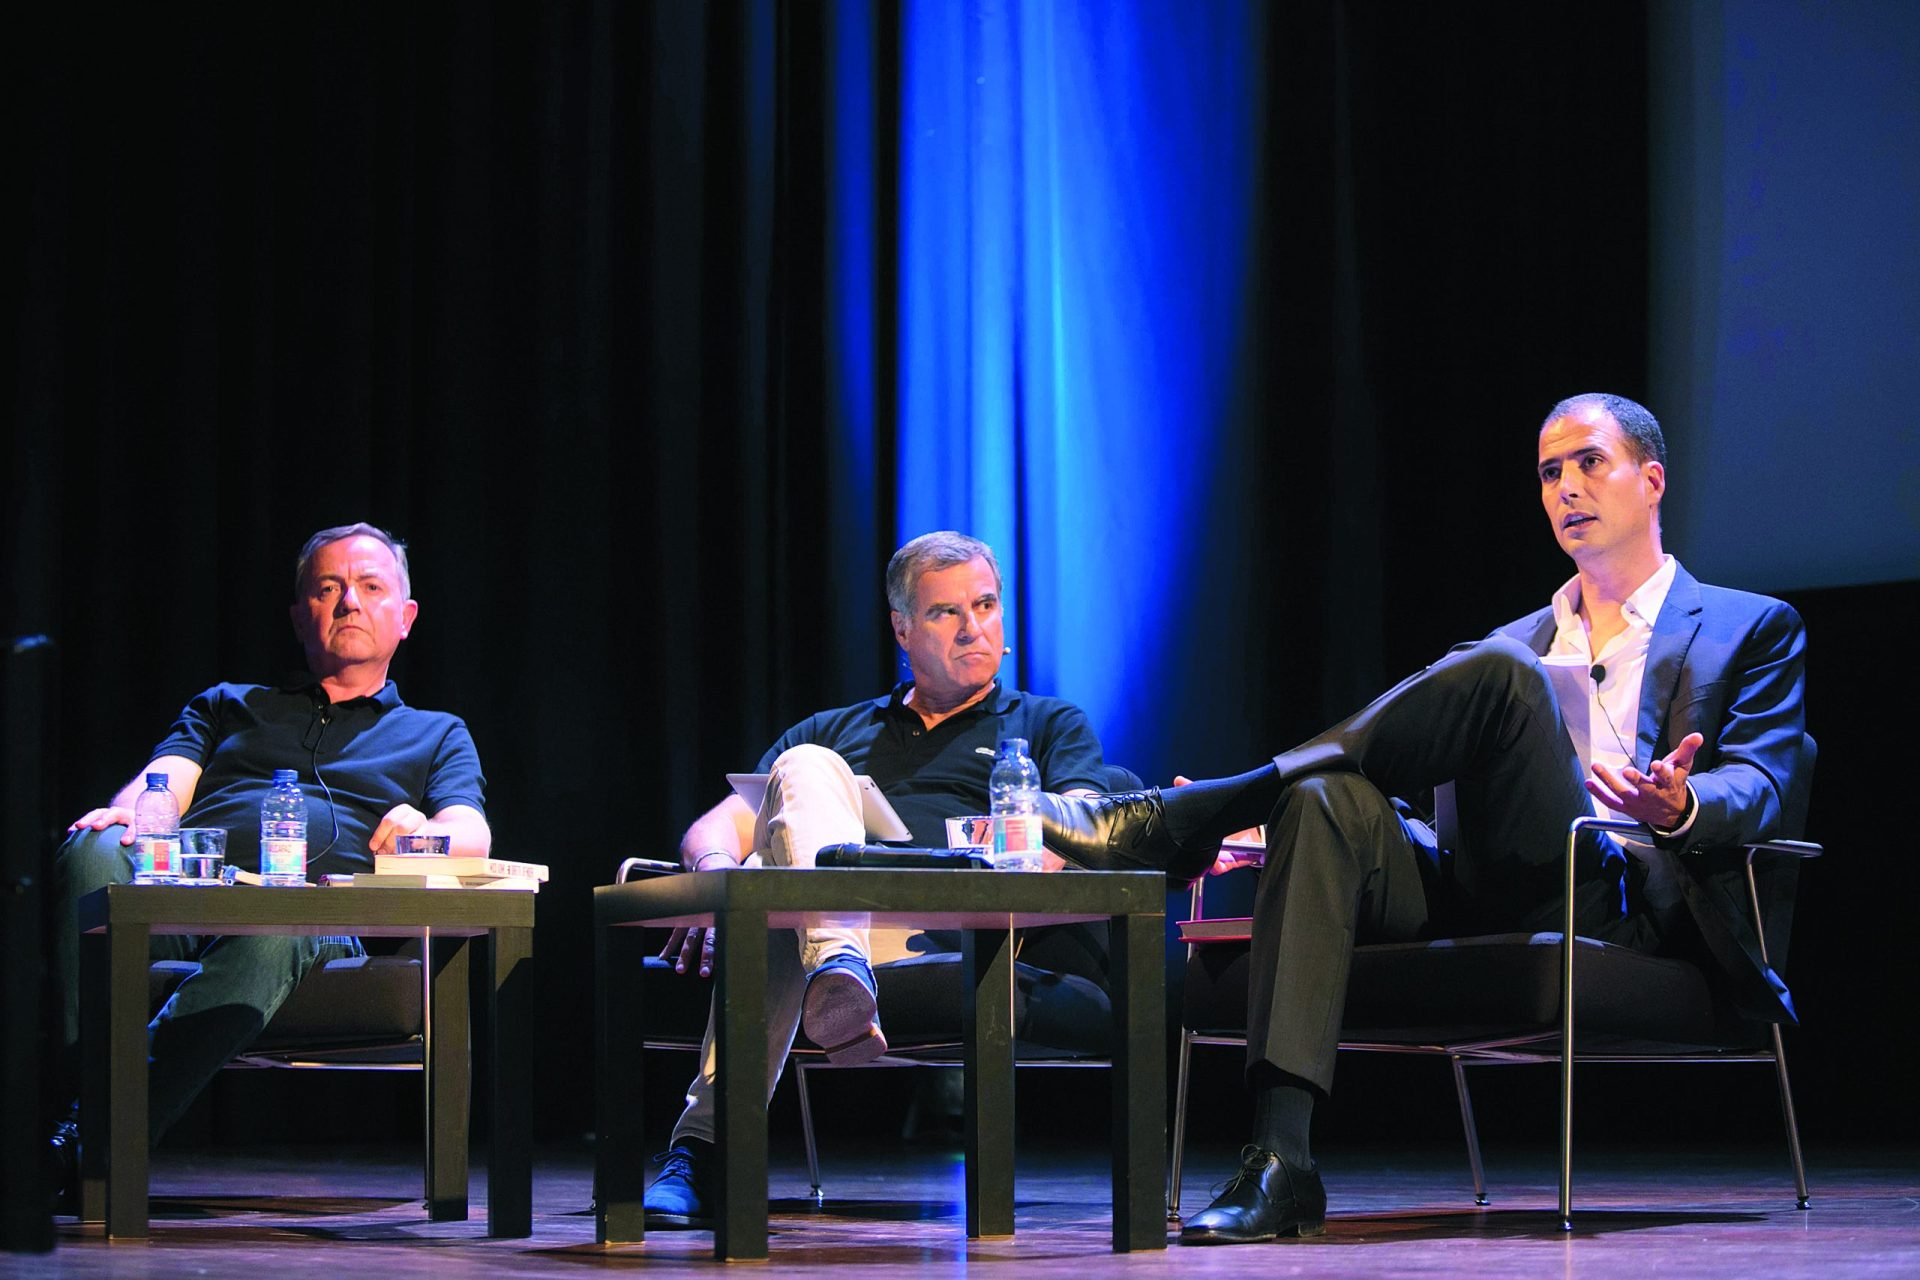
(371, 767)
(930, 747)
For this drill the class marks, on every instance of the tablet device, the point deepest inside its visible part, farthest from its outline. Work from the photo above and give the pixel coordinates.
(882, 822)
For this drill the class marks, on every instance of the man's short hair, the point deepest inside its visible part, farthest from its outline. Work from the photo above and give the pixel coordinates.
(939, 550)
(1637, 424)
(337, 533)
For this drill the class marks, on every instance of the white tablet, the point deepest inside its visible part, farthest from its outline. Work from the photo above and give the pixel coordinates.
(882, 822)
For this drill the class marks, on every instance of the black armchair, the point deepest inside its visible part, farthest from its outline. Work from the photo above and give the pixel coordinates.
(1515, 998)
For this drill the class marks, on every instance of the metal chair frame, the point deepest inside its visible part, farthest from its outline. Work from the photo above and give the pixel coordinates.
(1551, 1046)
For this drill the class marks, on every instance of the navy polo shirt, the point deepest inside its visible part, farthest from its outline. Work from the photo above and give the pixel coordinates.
(930, 775)
(355, 759)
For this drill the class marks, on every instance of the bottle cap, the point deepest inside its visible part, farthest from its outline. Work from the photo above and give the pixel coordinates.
(1013, 744)
(284, 775)
(157, 780)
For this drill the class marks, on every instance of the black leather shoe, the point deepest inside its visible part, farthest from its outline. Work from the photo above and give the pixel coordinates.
(1125, 831)
(1266, 1199)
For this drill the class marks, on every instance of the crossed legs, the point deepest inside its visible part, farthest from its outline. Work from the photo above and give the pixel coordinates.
(812, 801)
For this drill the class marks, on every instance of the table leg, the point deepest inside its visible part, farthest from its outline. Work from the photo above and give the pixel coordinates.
(1139, 1082)
(449, 1070)
(619, 1040)
(113, 1107)
(986, 1031)
(740, 992)
(510, 1095)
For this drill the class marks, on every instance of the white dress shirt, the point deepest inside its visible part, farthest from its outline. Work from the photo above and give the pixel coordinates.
(1603, 716)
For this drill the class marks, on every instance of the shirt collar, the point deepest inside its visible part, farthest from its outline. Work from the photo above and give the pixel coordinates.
(1000, 701)
(1641, 607)
(306, 682)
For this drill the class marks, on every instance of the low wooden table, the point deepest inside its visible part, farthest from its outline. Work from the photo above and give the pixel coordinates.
(745, 904)
(116, 923)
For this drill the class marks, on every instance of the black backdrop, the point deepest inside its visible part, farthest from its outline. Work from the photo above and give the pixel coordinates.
(541, 289)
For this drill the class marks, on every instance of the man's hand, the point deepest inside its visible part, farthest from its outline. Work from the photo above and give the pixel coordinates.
(101, 819)
(401, 820)
(1657, 797)
(692, 948)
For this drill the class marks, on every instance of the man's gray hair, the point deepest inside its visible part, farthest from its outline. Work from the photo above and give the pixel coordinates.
(1637, 423)
(930, 551)
(339, 532)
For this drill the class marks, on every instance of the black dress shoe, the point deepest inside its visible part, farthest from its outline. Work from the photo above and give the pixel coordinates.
(1266, 1199)
(1125, 831)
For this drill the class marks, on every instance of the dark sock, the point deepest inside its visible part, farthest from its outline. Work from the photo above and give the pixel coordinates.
(1282, 1113)
(1202, 814)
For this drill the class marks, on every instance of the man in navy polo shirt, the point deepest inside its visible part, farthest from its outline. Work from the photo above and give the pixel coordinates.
(372, 768)
(929, 746)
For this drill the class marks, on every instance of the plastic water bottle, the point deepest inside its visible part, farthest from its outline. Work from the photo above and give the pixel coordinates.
(283, 832)
(156, 834)
(1014, 790)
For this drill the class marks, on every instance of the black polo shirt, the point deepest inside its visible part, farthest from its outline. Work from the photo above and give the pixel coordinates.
(355, 759)
(930, 775)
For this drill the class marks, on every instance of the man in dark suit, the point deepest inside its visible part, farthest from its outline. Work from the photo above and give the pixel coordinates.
(1638, 691)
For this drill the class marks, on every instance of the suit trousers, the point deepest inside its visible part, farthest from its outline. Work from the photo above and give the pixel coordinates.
(1344, 867)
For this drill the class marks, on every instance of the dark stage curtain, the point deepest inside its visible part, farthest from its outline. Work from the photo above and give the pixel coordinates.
(547, 290)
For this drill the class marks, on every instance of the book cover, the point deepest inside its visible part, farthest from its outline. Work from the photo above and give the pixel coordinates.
(455, 865)
(1226, 929)
(396, 880)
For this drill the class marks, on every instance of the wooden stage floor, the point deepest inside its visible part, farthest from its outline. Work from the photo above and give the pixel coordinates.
(319, 1211)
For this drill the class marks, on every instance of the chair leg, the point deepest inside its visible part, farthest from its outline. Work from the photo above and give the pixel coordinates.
(1179, 1125)
(1472, 1130)
(806, 1130)
(1793, 1125)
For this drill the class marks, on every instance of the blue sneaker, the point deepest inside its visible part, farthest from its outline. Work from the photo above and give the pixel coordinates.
(841, 1012)
(678, 1195)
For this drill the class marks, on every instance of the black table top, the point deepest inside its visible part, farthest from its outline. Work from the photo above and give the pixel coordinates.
(367, 913)
(937, 898)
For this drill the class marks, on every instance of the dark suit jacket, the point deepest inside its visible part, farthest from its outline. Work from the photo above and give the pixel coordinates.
(1731, 666)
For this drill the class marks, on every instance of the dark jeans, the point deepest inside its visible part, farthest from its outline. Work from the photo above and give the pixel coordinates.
(210, 1017)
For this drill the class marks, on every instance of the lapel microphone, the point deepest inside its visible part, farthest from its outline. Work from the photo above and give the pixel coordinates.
(1599, 676)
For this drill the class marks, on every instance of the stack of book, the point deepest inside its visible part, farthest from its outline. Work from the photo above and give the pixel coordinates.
(403, 871)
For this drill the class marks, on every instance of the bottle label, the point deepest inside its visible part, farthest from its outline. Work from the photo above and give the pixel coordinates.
(280, 857)
(1016, 833)
(155, 856)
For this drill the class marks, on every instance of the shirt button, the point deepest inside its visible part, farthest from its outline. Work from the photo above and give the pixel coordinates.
(916, 733)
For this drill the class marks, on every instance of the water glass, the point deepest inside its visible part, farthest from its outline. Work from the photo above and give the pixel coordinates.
(203, 855)
(974, 832)
(418, 846)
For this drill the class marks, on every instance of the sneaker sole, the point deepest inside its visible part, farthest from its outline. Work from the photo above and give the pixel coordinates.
(840, 1016)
